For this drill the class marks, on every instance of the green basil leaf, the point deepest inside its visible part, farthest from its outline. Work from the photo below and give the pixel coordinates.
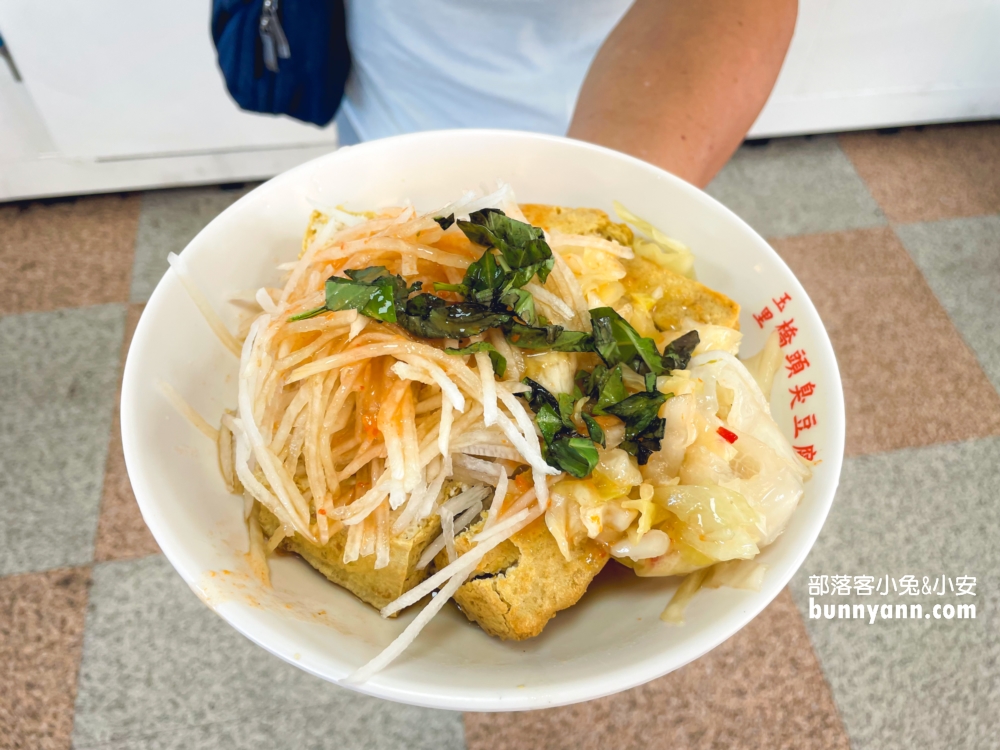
(638, 412)
(518, 277)
(520, 244)
(523, 305)
(677, 354)
(445, 221)
(440, 286)
(498, 360)
(577, 456)
(551, 338)
(642, 449)
(377, 301)
(484, 279)
(590, 382)
(566, 404)
(477, 233)
(610, 390)
(308, 314)
(433, 318)
(367, 275)
(538, 396)
(549, 423)
(619, 343)
(650, 378)
(422, 305)
(596, 433)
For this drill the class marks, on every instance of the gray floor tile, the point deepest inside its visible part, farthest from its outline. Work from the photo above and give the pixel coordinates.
(914, 683)
(160, 670)
(58, 375)
(796, 186)
(168, 221)
(961, 260)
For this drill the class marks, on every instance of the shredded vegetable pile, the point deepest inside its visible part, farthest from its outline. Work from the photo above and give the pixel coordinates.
(410, 353)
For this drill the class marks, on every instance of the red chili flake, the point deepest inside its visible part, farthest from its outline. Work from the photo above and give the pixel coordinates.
(729, 437)
(322, 511)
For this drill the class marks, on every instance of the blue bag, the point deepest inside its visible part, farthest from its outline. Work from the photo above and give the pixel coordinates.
(290, 59)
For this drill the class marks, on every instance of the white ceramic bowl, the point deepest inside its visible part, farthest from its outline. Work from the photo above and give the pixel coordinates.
(613, 639)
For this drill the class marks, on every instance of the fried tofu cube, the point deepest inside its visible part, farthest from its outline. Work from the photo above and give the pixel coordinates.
(375, 587)
(674, 301)
(523, 582)
(677, 300)
(590, 221)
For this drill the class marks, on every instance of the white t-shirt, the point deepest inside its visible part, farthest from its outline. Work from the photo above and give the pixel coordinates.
(429, 64)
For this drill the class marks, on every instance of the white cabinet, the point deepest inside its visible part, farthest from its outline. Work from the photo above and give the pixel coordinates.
(125, 78)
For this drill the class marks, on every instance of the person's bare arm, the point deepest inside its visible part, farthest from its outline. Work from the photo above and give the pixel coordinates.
(679, 82)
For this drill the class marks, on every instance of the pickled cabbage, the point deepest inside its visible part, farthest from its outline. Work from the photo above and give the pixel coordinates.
(656, 246)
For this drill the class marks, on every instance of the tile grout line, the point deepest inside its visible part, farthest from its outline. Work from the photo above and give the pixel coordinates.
(116, 408)
(79, 661)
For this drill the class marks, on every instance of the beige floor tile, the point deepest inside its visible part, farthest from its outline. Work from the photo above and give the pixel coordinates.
(762, 688)
(936, 173)
(41, 636)
(66, 254)
(909, 378)
(121, 532)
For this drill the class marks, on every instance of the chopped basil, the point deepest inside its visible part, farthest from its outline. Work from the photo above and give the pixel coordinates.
(445, 221)
(550, 338)
(431, 317)
(538, 396)
(596, 433)
(498, 360)
(577, 456)
(678, 353)
(643, 427)
(638, 411)
(373, 292)
(562, 446)
(548, 421)
(522, 246)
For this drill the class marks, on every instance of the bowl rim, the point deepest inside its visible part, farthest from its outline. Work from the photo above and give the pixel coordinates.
(560, 693)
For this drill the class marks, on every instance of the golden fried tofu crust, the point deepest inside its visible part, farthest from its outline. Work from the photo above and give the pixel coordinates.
(375, 587)
(590, 221)
(673, 300)
(677, 300)
(317, 219)
(521, 584)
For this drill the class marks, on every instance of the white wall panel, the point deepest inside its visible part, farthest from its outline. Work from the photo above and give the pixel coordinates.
(119, 78)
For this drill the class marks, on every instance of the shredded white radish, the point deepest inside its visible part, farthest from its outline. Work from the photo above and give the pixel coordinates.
(201, 302)
(357, 326)
(188, 411)
(404, 639)
(491, 451)
(466, 518)
(498, 498)
(489, 388)
(265, 301)
(499, 530)
(444, 427)
(448, 532)
(547, 299)
(469, 560)
(257, 552)
(465, 499)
